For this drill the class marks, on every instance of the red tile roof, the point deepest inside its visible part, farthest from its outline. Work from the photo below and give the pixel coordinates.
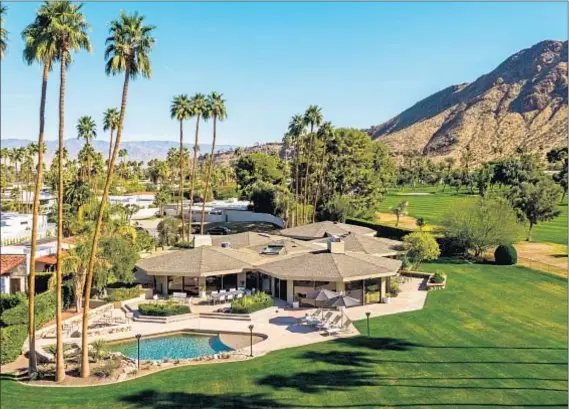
(47, 259)
(8, 262)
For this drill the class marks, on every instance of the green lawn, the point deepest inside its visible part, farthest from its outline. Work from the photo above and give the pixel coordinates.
(433, 208)
(496, 337)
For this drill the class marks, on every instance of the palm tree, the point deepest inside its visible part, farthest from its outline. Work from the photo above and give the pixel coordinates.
(325, 134)
(313, 118)
(111, 122)
(128, 48)
(296, 130)
(67, 30)
(181, 109)
(199, 110)
(3, 32)
(59, 28)
(217, 110)
(87, 130)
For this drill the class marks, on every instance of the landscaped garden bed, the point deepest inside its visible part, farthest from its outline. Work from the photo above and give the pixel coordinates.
(437, 281)
(163, 309)
(251, 303)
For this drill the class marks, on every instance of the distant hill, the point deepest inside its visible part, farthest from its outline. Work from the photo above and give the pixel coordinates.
(522, 103)
(137, 151)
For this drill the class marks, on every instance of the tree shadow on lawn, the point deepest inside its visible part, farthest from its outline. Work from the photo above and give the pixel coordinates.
(154, 399)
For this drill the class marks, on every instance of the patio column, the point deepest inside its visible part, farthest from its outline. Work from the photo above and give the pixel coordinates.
(241, 278)
(340, 287)
(201, 287)
(273, 286)
(290, 291)
(382, 288)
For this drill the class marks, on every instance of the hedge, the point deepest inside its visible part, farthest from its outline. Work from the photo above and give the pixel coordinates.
(506, 255)
(44, 308)
(163, 310)
(390, 232)
(251, 303)
(121, 294)
(12, 339)
(8, 301)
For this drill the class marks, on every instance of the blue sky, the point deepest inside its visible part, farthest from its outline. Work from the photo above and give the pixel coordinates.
(361, 62)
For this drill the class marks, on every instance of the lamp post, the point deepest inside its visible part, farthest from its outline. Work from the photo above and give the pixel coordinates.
(367, 315)
(251, 331)
(138, 342)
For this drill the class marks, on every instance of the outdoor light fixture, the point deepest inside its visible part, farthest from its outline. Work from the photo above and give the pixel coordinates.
(138, 342)
(367, 315)
(251, 330)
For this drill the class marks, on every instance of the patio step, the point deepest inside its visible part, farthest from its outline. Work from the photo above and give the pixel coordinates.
(225, 316)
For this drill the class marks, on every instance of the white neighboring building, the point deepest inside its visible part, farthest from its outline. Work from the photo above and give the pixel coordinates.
(17, 227)
(47, 200)
(144, 200)
(231, 210)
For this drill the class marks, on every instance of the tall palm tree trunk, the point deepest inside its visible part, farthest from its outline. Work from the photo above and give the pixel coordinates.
(32, 276)
(319, 184)
(60, 369)
(182, 177)
(307, 176)
(296, 159)
(110, 147)
(208, 181)
(193, 182)
(89, 279)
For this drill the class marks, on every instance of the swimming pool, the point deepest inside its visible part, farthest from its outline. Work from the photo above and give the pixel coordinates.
(175, 346)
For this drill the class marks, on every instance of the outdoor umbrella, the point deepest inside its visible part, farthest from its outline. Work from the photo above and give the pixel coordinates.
(343, 301)
(321, 297)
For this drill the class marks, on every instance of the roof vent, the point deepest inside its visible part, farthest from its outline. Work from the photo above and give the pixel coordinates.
(335, 245)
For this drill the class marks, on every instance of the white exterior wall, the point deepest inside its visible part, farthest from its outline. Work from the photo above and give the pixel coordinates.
(5, 284)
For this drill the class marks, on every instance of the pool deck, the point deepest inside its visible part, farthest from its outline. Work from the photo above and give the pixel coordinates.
(277, 324)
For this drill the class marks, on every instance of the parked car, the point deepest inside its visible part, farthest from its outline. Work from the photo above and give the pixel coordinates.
(219, 231)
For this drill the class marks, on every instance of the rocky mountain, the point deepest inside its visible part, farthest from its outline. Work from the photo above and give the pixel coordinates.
(230, 156)
(137, 150)
(521, 103)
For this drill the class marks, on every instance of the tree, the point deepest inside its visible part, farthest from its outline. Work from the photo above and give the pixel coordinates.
(163, 197)
(87, 130)
(58, 29)
(313, 118)
(264, 198)
(110, 123)
(335, 210)
(257, 167)
(421, 247)
(181, 110)
(558, 158)
(131, 210)
(216, 110)
(421, 223)
(168, 229)
(400, 210)
(536, 202)
(483, 178)
(200, 109)
(325, 134)
(128, 49)
(477, 226)
(3, 32)
(296, 130)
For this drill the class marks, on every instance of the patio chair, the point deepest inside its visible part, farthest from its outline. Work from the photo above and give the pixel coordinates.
(334, 330)
(248, 292)
(240, 295)
(221, 299)
(232, 290)
(230, 298)
(327, 325)
(324, 320)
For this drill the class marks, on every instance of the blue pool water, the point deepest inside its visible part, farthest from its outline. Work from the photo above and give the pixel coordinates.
(177, 346)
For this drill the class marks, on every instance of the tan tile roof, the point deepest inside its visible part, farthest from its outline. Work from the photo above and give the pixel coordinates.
(364, 244)
(202, 261)
(245, 239)
(325, 266)
(323, 229)
(10, 261)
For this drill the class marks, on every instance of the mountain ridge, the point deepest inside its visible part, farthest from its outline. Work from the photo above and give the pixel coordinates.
(521, 103)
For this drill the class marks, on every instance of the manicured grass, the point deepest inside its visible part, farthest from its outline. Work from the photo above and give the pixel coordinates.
(434, 206)
(496, 337)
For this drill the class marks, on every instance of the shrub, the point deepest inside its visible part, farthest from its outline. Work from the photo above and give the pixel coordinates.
(393, 288)
(390, 232)
(8, 301)
(44, 307)
(163, 310)
(108, 368)
(506, 255)
(184, 244)
(98, 350)
(121, 294)
(438, 278)
(12, 338)
(252, 303)
(421, 247)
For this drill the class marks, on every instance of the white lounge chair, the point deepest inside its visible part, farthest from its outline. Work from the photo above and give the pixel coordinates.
(325, 326)
(334, 330)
